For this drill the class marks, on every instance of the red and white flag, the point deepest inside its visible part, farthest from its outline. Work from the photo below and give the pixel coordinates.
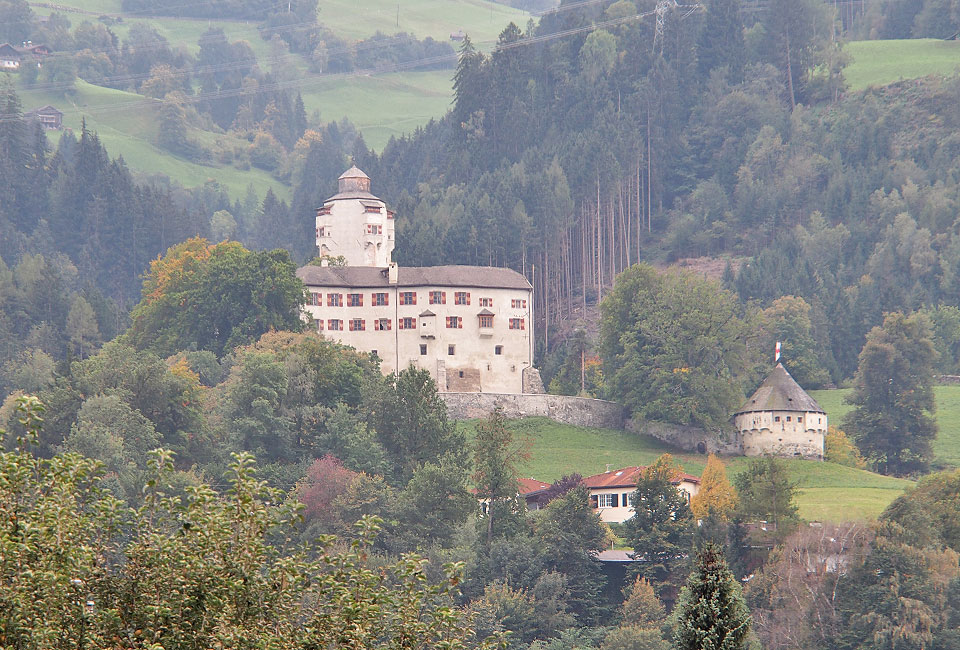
(776, 357)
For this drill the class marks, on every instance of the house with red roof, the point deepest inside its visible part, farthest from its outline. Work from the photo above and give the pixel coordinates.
(531, 490)
(611, 492)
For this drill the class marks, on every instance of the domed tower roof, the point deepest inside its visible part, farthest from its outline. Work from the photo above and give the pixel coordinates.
(353, 180)
(780, 392)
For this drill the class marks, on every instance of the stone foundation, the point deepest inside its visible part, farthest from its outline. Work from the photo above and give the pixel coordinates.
(578, 411)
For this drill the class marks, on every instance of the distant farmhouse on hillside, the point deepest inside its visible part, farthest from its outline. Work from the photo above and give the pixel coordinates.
(471, 327)
(12, 57)
(781, 419)
(48, 116)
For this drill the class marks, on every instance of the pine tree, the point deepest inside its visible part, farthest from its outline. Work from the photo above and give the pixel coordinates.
(721, 39)
(712, 612)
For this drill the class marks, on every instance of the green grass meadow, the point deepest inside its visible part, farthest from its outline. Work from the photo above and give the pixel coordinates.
(826, 491)
(877, 63)
(946, 448)
(127, 125)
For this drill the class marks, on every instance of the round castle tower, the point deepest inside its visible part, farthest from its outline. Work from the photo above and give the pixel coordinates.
(781, 419)
(355, 224)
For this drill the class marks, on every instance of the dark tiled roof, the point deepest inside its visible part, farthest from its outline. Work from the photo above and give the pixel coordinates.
(353, 194)
(488, 277)
(626, 477)
(8, 50)
(779, 392)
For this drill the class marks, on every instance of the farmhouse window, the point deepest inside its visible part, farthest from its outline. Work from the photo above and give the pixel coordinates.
(334, 299)
(408, 298)
(380, 299)
(357, 325)
(606, 500)
(355, 299)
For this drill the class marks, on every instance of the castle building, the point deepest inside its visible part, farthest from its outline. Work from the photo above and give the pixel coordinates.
(471, 327)
(781, 419)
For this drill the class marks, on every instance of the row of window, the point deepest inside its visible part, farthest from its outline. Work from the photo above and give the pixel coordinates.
(624, 500)
(452, 350)
(371, 229)
(406, 298)
(408, 323)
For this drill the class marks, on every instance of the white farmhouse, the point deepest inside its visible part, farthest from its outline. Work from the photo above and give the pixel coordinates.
(781, 419)
(471, 327)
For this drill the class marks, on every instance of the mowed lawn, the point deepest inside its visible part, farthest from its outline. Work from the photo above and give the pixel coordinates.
(877, 63)
(946, 448)
(826, 491)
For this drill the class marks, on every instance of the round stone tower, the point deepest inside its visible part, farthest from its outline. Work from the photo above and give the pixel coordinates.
(781, 419)
(355, 224)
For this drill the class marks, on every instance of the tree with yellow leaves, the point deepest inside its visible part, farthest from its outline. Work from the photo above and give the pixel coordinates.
(716, 493)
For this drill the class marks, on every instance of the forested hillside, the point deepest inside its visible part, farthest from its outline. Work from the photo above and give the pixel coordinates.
(582, 153)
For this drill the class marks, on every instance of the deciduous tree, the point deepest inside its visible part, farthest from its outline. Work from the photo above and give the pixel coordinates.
(892, 421)
(715, 495)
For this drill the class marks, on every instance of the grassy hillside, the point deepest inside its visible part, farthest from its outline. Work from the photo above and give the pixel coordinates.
(127, 125)
(827, 492)
(946, 448)
(381, 106)
(876, 63)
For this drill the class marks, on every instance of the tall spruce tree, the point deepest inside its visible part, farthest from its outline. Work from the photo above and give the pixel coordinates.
(893, 394)
(712, 612)
(721, 39)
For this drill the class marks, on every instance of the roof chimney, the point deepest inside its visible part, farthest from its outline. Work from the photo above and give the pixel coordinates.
(393, 273)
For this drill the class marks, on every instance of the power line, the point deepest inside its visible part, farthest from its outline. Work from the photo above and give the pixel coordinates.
(314, 80)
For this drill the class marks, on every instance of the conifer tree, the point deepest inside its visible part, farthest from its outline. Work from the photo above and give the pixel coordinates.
(721, 39)
(712, 612)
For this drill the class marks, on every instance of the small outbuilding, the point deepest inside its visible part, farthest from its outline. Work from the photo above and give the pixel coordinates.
(781, 419)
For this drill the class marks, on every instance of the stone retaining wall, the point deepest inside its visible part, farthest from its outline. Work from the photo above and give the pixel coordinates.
(578, 411)
(688, 438)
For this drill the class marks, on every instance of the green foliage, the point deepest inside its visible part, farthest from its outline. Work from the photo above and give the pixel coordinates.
(788, 320)
(673, 347)
(497, 457)
(711, 612)
(766, 492)
(634, 638)
(410, 420)
(660, 530)
(196, 570)
(893, 396)
(641, 607)
(215, 297)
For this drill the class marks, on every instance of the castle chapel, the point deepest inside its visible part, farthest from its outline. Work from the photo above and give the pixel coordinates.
(471, 327)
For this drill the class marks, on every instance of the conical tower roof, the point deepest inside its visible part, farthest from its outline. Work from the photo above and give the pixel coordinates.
(780, 392)
(353, 172)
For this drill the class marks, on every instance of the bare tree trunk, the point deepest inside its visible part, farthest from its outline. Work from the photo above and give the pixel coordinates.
(649, 170)
(793, 97)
